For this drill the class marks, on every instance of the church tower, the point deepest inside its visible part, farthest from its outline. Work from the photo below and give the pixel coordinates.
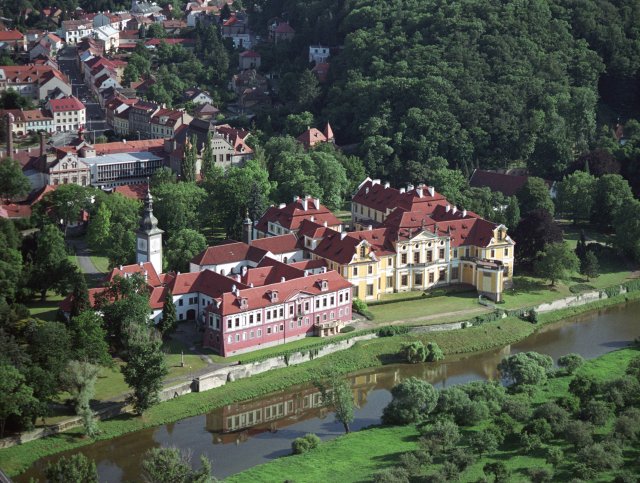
(149, 237)
(247, 228)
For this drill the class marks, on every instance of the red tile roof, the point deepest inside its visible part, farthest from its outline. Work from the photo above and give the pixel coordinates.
(142, 268)
(277, 244)
(120, 147)
(250, 54)
(229, 252)
(133, 191)
(507, 184)
(311, 137)
(284, 28)
(11, 35)
(13, 210)
(20, 74)
(65, 104)
(293, 214)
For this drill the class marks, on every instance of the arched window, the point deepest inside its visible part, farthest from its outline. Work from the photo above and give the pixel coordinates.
(74, 165)
(64, 165)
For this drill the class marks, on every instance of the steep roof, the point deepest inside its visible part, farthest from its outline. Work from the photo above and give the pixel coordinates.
(11, 35)
(311, 137)
(229, 252)
(250, 54)
(277, 244)
(65, 104)
(133, 191)
(507, 184)
(293, 214)
(284, 28)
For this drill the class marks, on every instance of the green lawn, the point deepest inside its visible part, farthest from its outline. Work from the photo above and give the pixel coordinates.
(46, 310)
(428, 306)
(101, 263)
(357, 456)
(354, 457)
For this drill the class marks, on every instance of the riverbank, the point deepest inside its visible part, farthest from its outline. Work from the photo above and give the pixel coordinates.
(359, 455)
(365, 354)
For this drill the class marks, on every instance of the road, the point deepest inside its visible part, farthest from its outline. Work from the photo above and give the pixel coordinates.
(91, 274)
(96, 122)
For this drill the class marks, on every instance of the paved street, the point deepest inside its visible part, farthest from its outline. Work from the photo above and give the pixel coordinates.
(96, 122)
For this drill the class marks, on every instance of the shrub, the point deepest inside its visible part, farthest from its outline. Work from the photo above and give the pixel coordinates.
(347, 328)
(414, 352)
(518, 408)
(434, 353)
(361, 307)
(442, 434)
(554, 456)
(411, 463)
(556, 416)
(305, 444)
(391, 475)
(578, 433)
(462, 458)
(581, 287)
(540, 475)
(597, 413)
(601, 456)
(571, 362)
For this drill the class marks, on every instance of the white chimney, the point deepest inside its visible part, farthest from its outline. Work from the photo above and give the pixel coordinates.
(455, 209)
(306, 273)
(325, 223)
(447, 208)
(251, 285)
(375, 181)
(316, 202)
(120, 267)
(464, 213)
(409, 186)
(419, 192)
(295, 198)
(369, 227)
(233, 288)
(244, 271)
(366, 190)
(324, 269)
(386, 184)
(432, 191)
(282, 205)
(305, 204)
(313, 218)
(343, 235)
(282, 279)
(141, 264)
(402, 190)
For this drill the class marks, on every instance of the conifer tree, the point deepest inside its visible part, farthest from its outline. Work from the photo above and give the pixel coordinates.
(207, 157)
(189, 160)
(169, 318)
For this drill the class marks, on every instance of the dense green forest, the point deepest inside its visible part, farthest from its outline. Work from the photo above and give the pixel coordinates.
(478, 83)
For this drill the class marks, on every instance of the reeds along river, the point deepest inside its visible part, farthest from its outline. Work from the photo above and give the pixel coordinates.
(239, 436)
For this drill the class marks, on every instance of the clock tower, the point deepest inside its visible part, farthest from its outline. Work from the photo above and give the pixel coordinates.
(149, 237)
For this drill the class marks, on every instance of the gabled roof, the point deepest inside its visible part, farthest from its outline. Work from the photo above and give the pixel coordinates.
(311, 137)
(507, 184)
(229, 252)
(132, 191)
(277, 244)
(250, 54)
(65, 104)
(11, 35)
(293, 214)
(145, 269)
(284, 28)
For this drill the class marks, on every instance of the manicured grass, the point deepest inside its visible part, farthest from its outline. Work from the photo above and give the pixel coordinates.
(426, 307)
(357, 456)
(101, 263)
(46, 310)
(353, 457)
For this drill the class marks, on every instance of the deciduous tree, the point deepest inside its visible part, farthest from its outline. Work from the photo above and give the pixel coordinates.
(182, 246)
(13, 182)
(15, 395)
(413, 399)
(558, 261)
(75, 468)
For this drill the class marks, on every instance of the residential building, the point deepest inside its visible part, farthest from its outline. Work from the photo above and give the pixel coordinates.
(199, 14)
(288, 218)
(321, 71)
(34, 120)
(313, 136)
(34, 81)
(249, 60)
(13, 40)
(108, 37)
(144, 9)
(165, 122)
(280, 31)
(69, 170)
(72, 31)
(236, 28)
(197, 96)
(140, 115)
(318, 54)
(507, 183)
(69, 114)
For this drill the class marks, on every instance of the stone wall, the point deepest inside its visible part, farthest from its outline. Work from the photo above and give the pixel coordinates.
(576, 300)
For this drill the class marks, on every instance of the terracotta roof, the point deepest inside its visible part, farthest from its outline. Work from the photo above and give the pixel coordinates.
(250, 54)
(142, 268)
(13, 210)
(9, 35)
(65, 104)
(20, 74)
(26, 116)
(311, 229)
(309, 264)
(277, 244)
(133, 191)
(341, 247)
(120, 147)
(229, 252)
(293, 214)
(284, 28)
(259, 297)
(384, 198)
(507, 184)
(311, 137)
(154, 42)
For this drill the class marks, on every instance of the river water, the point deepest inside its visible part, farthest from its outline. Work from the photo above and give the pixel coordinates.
(242, 435)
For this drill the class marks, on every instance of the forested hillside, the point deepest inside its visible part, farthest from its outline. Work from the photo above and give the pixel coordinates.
(476, 82)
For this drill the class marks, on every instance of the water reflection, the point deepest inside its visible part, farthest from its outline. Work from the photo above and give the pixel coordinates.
(239, 436)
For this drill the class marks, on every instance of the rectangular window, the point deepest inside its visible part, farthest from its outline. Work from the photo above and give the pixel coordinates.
(417, 279)
(429, 256)
(369, 290)
(441, 253)
(230, 339)
(299, 323)
(237, 322)
(237, 337)
(370, 269)
(180, 302)
(317, 319)
(306, 306)
(333, 300)
(416, 257)
(346, 296)
(404, 280)
(268, 315)
(324, 316)
(355, 271)
(403, 258)
(259, 332)
(229, 323)
(454, 272)
(281, 312)
(389, 281)
(281, 327)
(306, 321)
(251, 319)
(431, 277)
(291, 310)
(493, 253)
(356, 292)
(331, 316)
(324, 302)
(268, 330)
(291, 324)
(317, 303)
(506, 252)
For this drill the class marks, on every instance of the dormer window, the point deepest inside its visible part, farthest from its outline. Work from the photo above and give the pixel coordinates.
(244, 303)
(324, 285)
(64, 165)
(363, 251)
(74, 165)
(273, 295)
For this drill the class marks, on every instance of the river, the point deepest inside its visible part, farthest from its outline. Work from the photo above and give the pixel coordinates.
(239, 436)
